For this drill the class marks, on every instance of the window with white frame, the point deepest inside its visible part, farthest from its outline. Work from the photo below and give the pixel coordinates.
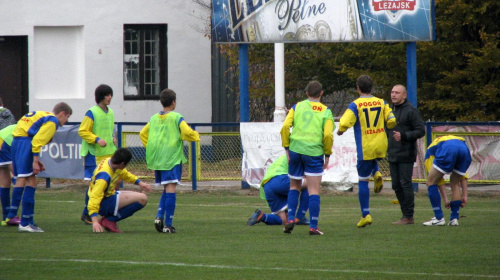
(144, 61)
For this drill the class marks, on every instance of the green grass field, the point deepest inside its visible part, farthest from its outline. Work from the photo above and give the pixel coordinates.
(214, 242)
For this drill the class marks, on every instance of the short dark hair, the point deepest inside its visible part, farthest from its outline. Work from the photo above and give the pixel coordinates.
(102, 91)
(365, 83)
(167, 96)
(62, 107)
(314, 89)
(121, 155)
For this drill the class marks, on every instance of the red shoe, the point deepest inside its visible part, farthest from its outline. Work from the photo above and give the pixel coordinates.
(315, 231)
(109, 225)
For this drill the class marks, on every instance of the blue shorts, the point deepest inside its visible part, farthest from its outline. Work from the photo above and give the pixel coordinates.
(366, 168)
(172, 176)
(109, 205)
(452, 156)
(5, 155)
(301, 165)
(22, 157)
(90, 165)
(276, 191)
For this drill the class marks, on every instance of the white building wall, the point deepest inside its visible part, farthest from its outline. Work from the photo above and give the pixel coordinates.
(98, 49)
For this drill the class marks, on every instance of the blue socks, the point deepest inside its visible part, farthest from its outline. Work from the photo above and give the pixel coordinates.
(271, 219)
(303, 204)
(314, 206)
(364, 198)
(126, 212)
(85, 209)
(170, 200)
(161, 206)
(435, 199)
(5, 198)
(455, 207)
(293, 201)
(17, 195)
(28, 206)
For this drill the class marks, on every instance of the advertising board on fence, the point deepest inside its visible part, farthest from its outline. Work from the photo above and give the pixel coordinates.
(61, 156)
(261, 143)
(282, 21)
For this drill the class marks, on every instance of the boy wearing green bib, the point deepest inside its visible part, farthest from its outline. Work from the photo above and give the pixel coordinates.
(98, 142)
(308, 149)
(163, 138)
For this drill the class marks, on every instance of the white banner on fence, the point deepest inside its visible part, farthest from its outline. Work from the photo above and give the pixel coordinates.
(261, 144)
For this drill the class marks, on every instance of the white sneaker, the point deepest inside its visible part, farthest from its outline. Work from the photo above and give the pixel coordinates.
(435, 222)
(29, 228)
(453, 222)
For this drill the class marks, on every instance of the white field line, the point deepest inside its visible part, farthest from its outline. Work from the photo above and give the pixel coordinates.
(347, 271)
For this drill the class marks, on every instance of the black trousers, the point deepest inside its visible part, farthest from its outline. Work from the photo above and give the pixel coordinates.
(401, 174)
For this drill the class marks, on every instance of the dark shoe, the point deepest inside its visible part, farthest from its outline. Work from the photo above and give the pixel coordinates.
(302, 221)
(255, 218)
(289, 227)
(86, 219)
(404, 221)
(159, 224)
(315, 231)
(109, 225)
(169, 229)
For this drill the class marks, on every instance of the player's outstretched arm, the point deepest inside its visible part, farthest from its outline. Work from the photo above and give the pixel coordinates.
(145, 186)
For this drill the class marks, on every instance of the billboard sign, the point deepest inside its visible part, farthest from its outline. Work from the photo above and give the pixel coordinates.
(288, 21)
(61, 156)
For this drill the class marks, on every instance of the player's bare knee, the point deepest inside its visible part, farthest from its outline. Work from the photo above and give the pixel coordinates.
(143, 199)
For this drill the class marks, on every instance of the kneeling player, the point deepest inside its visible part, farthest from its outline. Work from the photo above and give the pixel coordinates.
(274, 188)
(104, 200)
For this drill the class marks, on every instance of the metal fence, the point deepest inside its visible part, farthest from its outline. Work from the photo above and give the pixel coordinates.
(216, 157)
(218, 154)
(483, 140)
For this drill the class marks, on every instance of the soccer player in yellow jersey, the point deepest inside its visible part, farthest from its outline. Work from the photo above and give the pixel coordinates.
(308, 149)
(106, 201)
(163, 138)
(96, 131)
(445, 155)
(32, 132)
(368, 115)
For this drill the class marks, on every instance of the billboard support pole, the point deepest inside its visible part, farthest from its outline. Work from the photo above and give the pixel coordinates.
(244, 93)
(411, 80)
(243, 69)
(411, 72)
(279, 82)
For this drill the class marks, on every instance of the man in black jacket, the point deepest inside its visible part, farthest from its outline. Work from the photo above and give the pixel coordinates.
(402, 150)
